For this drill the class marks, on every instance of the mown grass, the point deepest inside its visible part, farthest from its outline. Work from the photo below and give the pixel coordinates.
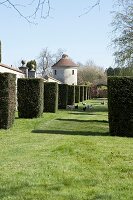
(65, 156)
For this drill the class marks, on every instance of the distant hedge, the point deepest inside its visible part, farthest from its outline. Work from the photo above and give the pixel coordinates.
(93, 91)
(120, 105)
(62, 96)
(50, 97)
(77, 93)
(85, 92)
(71, 95)
(7, 99)
(81, 93)
(88, 92)
(30, 97)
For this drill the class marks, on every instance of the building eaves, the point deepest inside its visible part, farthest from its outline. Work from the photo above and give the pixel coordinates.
(11, 68)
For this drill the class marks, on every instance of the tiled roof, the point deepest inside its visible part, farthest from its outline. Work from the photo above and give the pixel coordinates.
(11, 68)
(65, 61)
(49, 77)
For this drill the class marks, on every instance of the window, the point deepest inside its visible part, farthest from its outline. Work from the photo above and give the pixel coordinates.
(72, 72)
(54, 72)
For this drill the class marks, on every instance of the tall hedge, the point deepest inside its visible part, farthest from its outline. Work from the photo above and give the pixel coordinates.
(7, 99)
(85, 92)
(62, 96)
(50, 97)
(71, 95)
(120, 105)
(88, 92)
(81, 93)
(77, 93)
(30, 97)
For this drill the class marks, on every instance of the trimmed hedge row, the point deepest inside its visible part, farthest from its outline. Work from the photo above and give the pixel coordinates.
(77, 93)
(71, 95)
(63, 96)
(30, 97)
(88, 93)
(120, 105)
(51, 97)
(81, 93)
(7, 99)
(85, 93)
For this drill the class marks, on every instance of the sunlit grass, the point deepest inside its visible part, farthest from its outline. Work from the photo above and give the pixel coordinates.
(65, 156)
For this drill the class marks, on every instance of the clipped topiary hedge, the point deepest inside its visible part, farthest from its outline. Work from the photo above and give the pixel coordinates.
(88, 92)
(62, 96)
(71, 95)
(77, 93)
(81, 93)
(120, 105)
(7, 99)
(50, 97)
(30, 97)
(85, 92)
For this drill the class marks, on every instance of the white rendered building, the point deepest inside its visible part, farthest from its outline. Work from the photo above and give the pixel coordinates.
(7, 69)
(65, 70)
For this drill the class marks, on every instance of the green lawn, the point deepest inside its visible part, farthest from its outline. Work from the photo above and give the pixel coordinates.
(65, 156)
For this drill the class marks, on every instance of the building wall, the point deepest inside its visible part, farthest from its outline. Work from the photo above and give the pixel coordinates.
(66, 75)
(4, 69)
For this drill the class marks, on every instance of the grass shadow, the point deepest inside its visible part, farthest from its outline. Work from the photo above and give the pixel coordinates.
(68, 132)
(86, 113)
(77, 120)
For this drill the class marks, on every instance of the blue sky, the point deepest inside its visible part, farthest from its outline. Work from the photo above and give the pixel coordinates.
(84, 38)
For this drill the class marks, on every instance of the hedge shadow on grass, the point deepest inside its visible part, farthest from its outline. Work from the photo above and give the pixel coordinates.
(68, 132)
(78, 120)
(86, 113)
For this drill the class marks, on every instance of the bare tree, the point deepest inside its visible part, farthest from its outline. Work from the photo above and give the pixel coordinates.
(46, 59)
(41, 7)
(91, 6)
(123, 33)
(91, 74)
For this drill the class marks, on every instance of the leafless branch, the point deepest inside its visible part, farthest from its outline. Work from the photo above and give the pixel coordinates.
(91, 8)
(37, 7)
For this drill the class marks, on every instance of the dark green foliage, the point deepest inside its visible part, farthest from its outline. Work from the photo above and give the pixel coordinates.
(0, 52)
(71, 95)
(85, 92)
(110, 71)
(7, 99)
(120, 105)
(30, 97)
(81, 93)
(77, 93)
(62, 96)
(51, 97)
(31, 65)
(88, 92)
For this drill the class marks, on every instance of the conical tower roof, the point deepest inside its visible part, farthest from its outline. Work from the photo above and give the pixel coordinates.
(65, 61)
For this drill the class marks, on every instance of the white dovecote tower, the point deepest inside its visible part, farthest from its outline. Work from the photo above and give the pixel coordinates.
(65, 70)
